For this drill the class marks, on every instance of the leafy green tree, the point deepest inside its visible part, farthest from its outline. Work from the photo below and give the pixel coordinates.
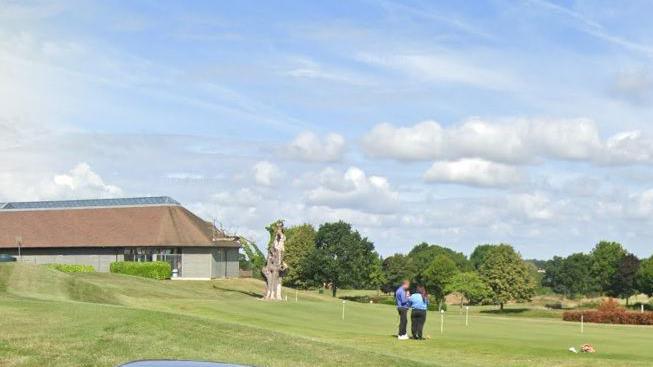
(471, 286)
(423, 255)
(477, 257)
(507, 274)
(300, 242)
(553, 275)
(396, 268)
(606, 257)
(254, 258)
(537, 276)
(574, 276)
(376, 278)
(342, 258)
(438, 274)
(645, 277)
(624, 283)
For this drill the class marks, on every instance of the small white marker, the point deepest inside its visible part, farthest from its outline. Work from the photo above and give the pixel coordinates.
(441, 322)
(466, 315)
(343, 310)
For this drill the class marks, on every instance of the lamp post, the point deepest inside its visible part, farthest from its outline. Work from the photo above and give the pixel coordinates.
(19, 243)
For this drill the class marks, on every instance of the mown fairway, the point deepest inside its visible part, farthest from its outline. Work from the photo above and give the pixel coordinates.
(55, 319)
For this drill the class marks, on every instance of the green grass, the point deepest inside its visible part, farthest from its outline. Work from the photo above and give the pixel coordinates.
(97, 319)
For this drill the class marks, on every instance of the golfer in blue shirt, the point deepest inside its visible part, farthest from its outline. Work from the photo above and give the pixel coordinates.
(419, 303)
(403, 304)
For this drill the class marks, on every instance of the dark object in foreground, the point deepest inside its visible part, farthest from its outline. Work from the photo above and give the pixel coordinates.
(4, 258)
(170, 363)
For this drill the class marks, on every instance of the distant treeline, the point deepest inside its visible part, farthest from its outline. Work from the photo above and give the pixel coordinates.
(337, 256)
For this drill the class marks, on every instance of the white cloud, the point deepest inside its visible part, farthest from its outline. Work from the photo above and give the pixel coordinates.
(628, 147)
(81, 182)
(353, 189)
(515, 141)
(443, 66)
(533, 205)
(422, 141)
(308, 69)
(639, 205)
(308, 146)
(266, 173)
(473, 171)
(244, 197)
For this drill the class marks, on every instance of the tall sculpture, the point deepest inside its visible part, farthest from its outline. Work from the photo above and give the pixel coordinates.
(275, 268)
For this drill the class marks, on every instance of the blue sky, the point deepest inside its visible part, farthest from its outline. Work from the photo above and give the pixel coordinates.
(450, 122)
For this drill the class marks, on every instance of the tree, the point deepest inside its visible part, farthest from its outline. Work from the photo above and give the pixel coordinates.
(423, 255)
(255, 259)
(570, 276)
(477, 258)
(471, 286)
(507, 274)
(645, 277)
(342, 258)
(606, 257)
(576, 275)
(376, 277)
(396, 268)
(300, 242)
(438, 274)
(552, 275)
(536, 275)
(275, 268)
(624, 283)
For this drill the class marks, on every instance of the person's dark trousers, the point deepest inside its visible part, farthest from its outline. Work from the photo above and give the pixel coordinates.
(403, 320)
(417, 320)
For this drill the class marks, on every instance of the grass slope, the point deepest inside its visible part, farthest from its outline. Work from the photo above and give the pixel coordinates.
(56, 319)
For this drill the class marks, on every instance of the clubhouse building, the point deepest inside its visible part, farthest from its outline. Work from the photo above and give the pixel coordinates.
(99, 232)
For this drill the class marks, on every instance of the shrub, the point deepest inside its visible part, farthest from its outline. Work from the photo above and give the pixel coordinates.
(610, 312)
(555, 306)
(610, 305)
(153, 269)
(71, 268)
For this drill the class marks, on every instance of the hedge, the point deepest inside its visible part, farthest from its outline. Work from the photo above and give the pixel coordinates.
(71, 268)
(152, 269)
(610, 312)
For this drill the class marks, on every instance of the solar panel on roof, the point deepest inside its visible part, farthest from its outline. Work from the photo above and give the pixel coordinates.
(159, 200)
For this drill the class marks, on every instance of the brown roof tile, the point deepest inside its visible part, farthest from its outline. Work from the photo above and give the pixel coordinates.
(108, 227)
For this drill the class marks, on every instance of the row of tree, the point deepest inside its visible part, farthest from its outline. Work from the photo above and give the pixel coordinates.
(607, 270)
(493, 273)
(337, 256)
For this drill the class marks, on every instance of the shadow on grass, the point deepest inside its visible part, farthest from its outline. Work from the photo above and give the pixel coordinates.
(507, 311)
(247, 293)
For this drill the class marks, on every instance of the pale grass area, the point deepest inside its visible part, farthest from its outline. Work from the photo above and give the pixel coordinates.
(55, 319)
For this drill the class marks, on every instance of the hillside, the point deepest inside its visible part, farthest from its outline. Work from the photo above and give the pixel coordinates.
(56, 319)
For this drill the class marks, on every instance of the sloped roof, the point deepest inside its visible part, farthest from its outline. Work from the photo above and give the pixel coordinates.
(116, 226)
(90, 203)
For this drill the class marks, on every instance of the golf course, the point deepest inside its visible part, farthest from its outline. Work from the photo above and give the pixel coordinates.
(99, 319)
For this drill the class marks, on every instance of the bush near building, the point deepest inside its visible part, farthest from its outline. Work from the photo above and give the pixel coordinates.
(154, 269)
(72, 268)
(610, 312)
